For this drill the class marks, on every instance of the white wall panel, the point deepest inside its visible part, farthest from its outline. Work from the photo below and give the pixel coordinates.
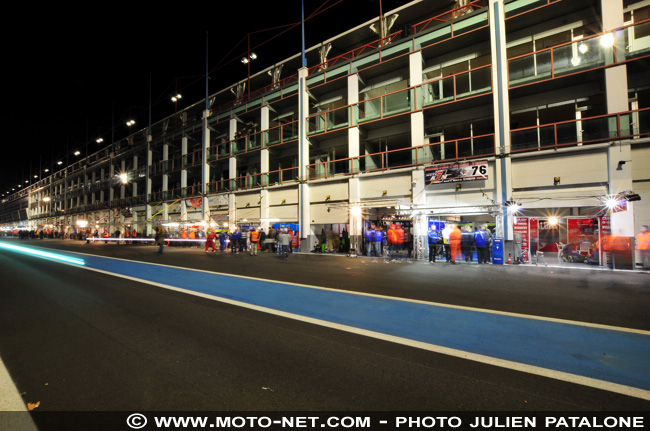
(640, 164)
(286, 213)
(395, 186)
(320, 215)
(288, 194)
(335, 190)
(574, 168)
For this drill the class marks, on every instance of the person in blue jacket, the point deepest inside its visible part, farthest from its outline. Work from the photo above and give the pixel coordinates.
(378, 240)
(369, 234)
(481, 240)
(234, 240)
(434, 239)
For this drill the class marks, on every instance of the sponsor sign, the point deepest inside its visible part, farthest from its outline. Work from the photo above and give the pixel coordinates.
(521, 226)
(457, 172)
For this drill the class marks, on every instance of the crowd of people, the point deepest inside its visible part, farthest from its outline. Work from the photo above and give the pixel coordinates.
(379, 241)
(452, 243)
(455, 244)
(245, 240)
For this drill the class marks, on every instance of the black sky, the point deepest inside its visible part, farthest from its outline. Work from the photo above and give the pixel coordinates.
(70, 74)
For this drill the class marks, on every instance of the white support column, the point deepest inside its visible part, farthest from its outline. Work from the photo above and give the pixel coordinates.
(501, 115)
(616, 93)
(232, 211)
(111, 176)
(205, 167)
(183, 178)
(232, 162)
(93, 177)
(355, 219)
(417, 118)
(85, 188)
(264, 209)
(122, 186)
(165, 180)
(134, 183)
(264, 169)
(354, 140)
(356, 216)
(264, 153)
(420, 223)
(148, 188)
(304, 213)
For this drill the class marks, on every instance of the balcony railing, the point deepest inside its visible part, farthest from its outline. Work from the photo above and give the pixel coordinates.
(584, 131)
(581, 55)
(477, 146)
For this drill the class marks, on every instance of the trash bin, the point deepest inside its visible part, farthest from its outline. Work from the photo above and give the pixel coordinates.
(497, 251)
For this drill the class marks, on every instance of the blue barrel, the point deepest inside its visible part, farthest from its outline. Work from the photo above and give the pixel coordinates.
(497, 251)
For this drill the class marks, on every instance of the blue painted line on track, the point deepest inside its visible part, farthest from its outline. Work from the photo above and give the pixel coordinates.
(599, 353)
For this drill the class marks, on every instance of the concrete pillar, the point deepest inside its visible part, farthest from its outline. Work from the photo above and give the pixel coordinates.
(122, 186)
(616, 93)
(304, 217)
(232, 162)
(356, 216)
(264, 153)
(148, 190)
(421, 155)
(165, 180)
(264, 209)
(135, 183)
(205, 168)
(420, 223)
(232, 211)
(501, 115)
(354, 137)
(183, 178)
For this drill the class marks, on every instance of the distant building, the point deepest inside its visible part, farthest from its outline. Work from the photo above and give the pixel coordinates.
(462, 109)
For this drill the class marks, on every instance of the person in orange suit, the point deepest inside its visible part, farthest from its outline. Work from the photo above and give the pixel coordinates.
(454, 242)
(643, 245)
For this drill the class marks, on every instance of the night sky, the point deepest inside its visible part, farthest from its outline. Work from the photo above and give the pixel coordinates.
(70, 75)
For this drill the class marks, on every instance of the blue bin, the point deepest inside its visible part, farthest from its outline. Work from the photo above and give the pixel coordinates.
(497, 251)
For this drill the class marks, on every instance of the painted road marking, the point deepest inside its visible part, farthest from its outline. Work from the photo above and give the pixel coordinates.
(608, 358)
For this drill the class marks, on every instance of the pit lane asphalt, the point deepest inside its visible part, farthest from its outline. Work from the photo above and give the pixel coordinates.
(194, 342)
(581, 293)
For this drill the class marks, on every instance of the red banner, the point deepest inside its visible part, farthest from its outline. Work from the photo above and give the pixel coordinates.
(521, 226)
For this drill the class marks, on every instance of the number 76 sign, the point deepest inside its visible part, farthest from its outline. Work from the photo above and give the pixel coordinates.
(456, 172)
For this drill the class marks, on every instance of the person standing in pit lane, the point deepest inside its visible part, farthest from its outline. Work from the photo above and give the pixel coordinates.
(433, 243)
(209, 241)
(454, 243)
(160, 240)
(234, 240)
(467, 243)
(643, 245)
(481, 240)
(285, 243)
(369, 236)
(254, 236)
(378, 240)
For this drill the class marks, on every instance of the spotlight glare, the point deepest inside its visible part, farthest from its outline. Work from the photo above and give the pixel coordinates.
(607, 40)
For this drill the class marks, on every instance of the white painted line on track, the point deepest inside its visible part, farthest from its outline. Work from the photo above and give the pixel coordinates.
(10, 399)
(16, 416)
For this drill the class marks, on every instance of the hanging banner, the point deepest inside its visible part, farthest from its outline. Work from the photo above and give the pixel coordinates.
(194, 202)
(457, 172)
